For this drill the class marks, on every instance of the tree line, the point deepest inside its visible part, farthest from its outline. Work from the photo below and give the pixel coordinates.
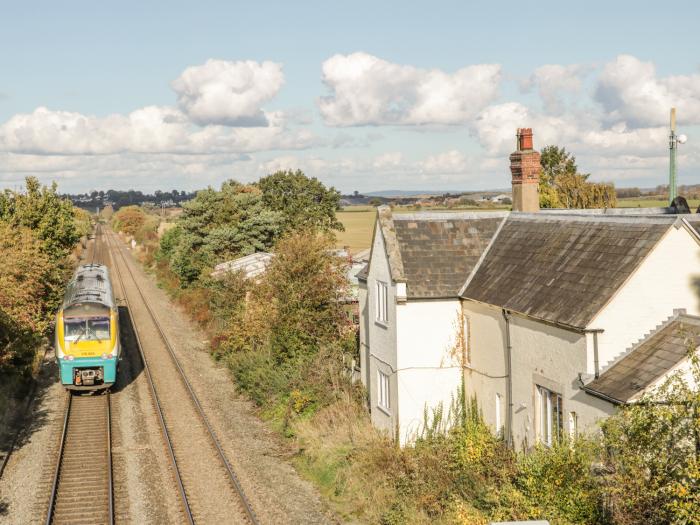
(38, 231)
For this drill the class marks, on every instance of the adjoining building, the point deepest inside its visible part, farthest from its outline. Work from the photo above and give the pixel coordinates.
(538, 315)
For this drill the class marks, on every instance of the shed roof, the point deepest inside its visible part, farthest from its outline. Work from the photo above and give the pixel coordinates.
(563, 268)
(251, 265)
(649, 360)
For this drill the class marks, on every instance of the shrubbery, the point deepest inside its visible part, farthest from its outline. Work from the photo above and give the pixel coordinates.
(286, 339)
(241, 219)
(38, 230)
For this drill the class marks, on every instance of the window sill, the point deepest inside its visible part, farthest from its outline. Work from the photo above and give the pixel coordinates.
(385, 410)
(381, 323)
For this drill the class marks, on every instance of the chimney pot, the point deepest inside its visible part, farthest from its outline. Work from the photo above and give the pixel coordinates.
(524, 139)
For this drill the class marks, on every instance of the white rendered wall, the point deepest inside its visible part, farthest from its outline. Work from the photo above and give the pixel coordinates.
(541, 355)
(380, 338)
(428, 361)
(662, 283)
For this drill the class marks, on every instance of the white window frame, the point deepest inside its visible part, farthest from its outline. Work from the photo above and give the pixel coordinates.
(381, 303)
(383, 391)
(549, 416)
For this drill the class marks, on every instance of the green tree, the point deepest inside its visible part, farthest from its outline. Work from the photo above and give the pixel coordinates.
(219, 225)
(562, 186)
(43, 211)
(303, 201)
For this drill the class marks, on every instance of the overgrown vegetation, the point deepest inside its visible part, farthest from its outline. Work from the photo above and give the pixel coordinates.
(286, 339)
(38, 232)
(562, 186)
(241, 219)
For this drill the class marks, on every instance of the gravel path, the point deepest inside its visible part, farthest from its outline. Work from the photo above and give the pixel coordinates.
(276, 491)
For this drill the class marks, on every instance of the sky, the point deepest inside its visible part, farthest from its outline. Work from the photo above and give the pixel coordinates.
(365, 96)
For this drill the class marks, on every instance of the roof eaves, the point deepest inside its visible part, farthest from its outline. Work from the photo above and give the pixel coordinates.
(391, 244)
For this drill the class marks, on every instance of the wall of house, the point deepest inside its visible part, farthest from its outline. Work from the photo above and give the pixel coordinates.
(428, 361)
(380, 338)
(364, 327)
(542, 354)
(663, 282)
(683, 370)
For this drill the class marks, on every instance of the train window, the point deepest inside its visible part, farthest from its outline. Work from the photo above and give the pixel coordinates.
(98, 327)
(86, 329)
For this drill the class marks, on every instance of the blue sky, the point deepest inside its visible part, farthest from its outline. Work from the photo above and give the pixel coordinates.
(363, 95)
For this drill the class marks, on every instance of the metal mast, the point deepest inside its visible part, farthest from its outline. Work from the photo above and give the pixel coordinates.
(673, 146)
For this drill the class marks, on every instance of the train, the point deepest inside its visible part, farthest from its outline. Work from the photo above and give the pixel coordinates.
(87, 331)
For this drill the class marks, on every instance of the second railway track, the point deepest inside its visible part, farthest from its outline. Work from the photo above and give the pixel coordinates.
(209, 488)
(82, 486)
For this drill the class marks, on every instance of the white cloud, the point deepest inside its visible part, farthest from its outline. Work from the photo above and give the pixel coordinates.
(629, 90)
(228, 93)
(452, 161)
(555, 83)
(151, 129)
(366, 90)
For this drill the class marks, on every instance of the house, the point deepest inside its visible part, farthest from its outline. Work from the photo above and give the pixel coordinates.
(534, 313)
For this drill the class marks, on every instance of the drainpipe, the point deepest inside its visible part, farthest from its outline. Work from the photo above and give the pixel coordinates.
(596, 359)
(509, 383)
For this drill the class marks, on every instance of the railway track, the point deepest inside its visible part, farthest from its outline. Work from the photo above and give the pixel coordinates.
(82, 485)
(82, 489)
(208, 486)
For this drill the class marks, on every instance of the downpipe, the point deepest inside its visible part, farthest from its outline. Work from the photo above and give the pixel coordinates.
(509, 382)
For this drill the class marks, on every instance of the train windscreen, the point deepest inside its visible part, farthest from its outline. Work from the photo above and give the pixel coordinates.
(86, 328)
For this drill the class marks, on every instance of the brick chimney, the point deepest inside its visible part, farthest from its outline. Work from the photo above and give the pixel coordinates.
(525, 170)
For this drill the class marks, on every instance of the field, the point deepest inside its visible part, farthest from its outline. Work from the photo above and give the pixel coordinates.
(359, 220)
(652, 203)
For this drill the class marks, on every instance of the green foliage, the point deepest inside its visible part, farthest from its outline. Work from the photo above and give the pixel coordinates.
(304, 202)
(653, 451)
(562, 186)
(40, 209)
(243, 219)
(38, 230)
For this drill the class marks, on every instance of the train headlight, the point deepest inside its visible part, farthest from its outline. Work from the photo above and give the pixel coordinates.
(107, 356)
(68, 357)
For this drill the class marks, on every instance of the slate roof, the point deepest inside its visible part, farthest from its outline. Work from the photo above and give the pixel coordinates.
(648, 360)
(439, 250)
(251, 265)
(563, 268)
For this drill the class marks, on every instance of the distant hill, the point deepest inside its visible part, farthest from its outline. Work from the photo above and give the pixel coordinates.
(428, 193)
(404, 193)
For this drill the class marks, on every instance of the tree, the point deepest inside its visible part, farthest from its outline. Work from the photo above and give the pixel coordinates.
(219, 225)
(129, 219)
(562, 186)
(43, 211)
(375, 201)
(304, 202)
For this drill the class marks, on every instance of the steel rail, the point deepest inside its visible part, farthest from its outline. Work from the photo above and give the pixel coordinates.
(59, 463)
(250, 513)
(57, 471)
(156, 401)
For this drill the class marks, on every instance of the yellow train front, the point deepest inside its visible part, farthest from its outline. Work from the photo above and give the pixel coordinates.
(87, 331)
